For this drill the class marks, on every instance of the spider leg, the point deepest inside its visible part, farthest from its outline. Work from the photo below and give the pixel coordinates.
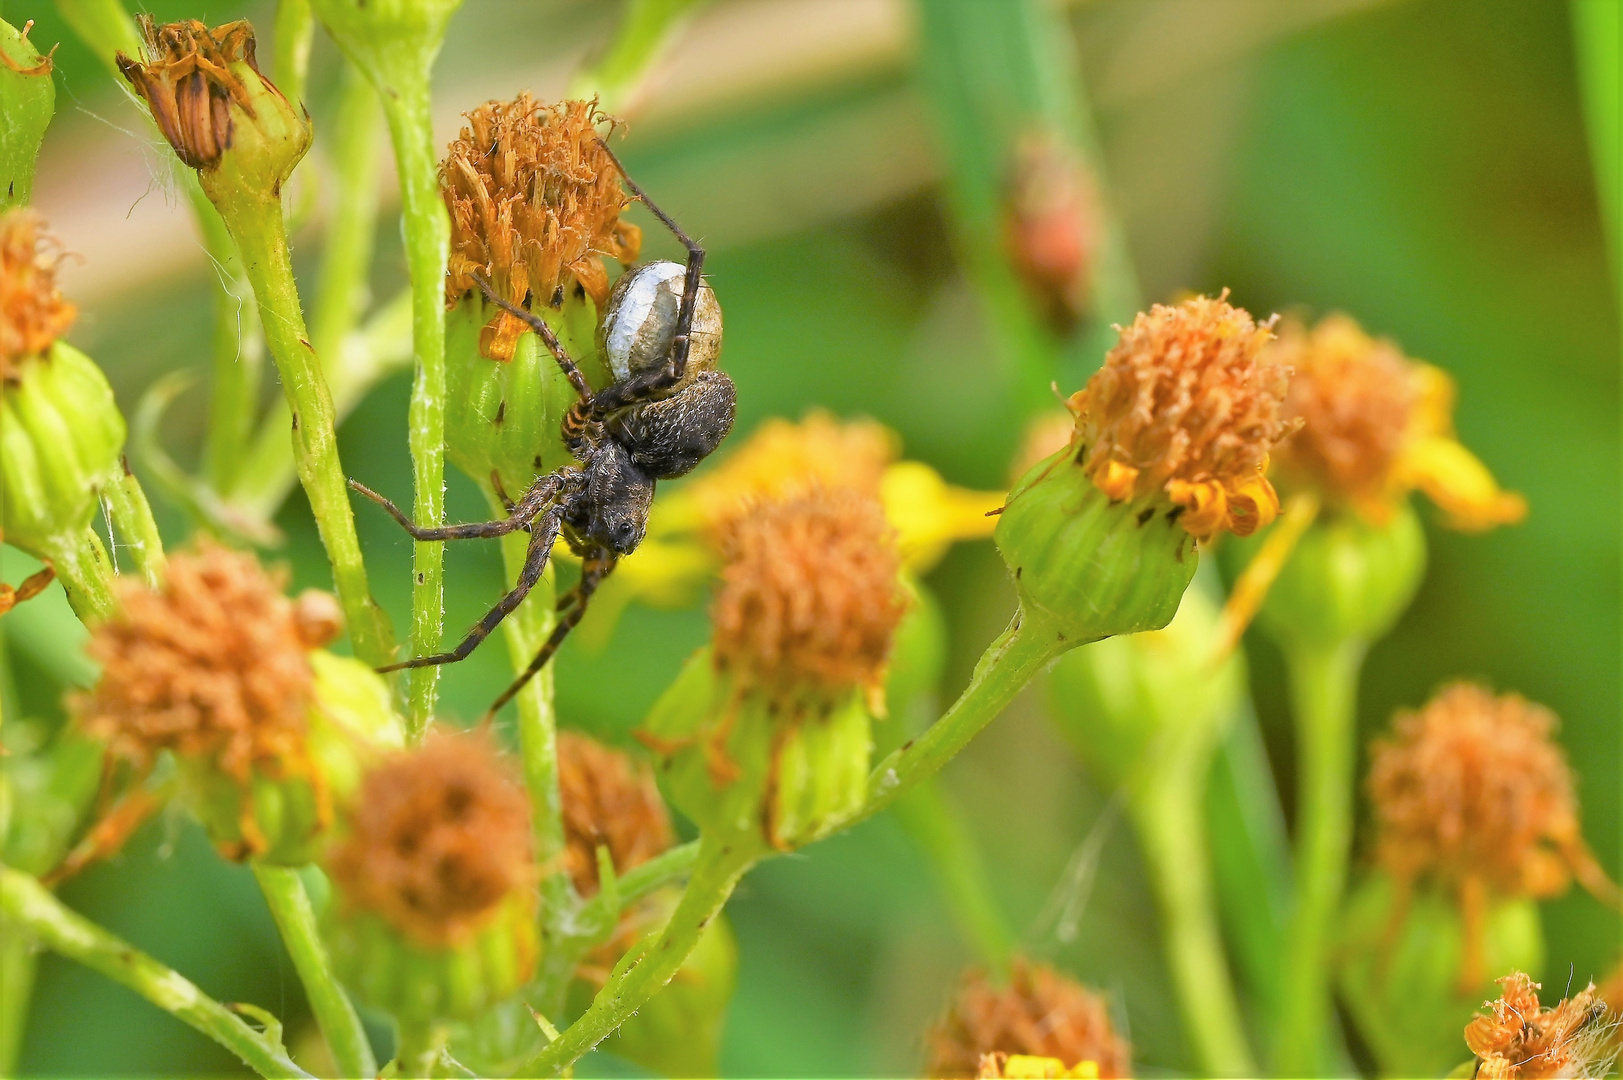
(501, 492)
(535, 562)
(597, 565)
(541, 492)
(544, 332)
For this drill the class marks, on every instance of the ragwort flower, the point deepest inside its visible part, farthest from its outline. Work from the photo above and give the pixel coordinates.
(1521, 1040)
(608, 801)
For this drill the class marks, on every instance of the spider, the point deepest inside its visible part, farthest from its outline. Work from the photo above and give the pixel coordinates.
(666, 410)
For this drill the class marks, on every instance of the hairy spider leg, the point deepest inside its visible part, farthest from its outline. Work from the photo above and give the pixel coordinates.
(597, 565)
(535, 563)
(543, 491)
(544, 332)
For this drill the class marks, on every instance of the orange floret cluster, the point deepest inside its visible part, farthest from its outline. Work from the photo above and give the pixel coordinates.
(1183, 410)
(1521, 1040)
(1039, 1014)
(33, 313)
(535, 201)
(609, 801)
(810, 598)
(440, 837)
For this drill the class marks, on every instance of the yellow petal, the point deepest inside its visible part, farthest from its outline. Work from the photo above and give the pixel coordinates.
(930, 514)
(1433, 410)
(1116, 480)
(1454, 479)
(1206, 506)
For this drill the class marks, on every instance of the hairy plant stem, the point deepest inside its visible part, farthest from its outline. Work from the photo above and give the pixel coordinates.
(721, 862)
(1324, 694)
(296, 922)
(83, 569)
(261, 235)
(238, 354)
(27, 904)
(132, 517)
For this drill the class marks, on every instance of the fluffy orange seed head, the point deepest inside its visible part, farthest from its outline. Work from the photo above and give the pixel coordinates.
(33, 313)
(608, 801)
(1521, 1040)
(439, 838)
(1040, 1013)
(535, 202)
(1183, 409)
(810, 599)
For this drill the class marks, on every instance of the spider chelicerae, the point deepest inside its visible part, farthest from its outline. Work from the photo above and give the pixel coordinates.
(666, 410)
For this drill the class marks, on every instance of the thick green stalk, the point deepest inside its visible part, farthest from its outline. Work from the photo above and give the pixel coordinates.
(18, 961)
(644, 29)
(1324, 695)
(83, 569)
(28, 904)
(132, 518)
(262, 237)
(295, 30)
(237, 348)
(1167, 811)
(721, 862)
(296, 921)
(937, 827)
(1008, 664)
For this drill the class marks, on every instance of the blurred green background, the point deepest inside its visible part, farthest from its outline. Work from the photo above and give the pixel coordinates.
(1421, 165)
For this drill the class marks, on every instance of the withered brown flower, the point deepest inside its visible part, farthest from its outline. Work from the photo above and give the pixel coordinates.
(439, 838)
(608, 800)
(1182, 409)
(1051, 227)
(535, 201)
(1040, 1013)
(810, 599)
(33, 313)
(214, 665)
(1474, 793)
(1521, 1040)
(187, 82)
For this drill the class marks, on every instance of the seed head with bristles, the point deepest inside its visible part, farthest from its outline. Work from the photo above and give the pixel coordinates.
(1520, 1040)
(33, 313)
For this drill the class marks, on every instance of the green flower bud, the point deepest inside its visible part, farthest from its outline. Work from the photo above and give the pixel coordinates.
(1399, 970)
(27, 100)
(393, 41)
(1347, 579)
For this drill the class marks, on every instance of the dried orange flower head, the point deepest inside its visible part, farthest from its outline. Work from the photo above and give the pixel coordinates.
(1051, 227)
(212, 666)
(1474, 787)
(1040, 1013)
(439, 837)
(810, 598)
(608, 801)
(1182, 409)
(33, 313)
(1521, 1039)
(188, 83)
(535, 201)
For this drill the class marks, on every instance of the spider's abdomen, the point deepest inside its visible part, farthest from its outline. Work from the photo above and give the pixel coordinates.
(639, 322)
(668, 437)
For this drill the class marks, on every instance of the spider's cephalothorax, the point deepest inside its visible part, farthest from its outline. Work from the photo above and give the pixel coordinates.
(666, 410)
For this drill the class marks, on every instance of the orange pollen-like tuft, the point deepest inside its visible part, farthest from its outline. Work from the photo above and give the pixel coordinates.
(33, 313)
(1040, 1013)
(1355, 397)
(212, 666)
(809, 600)
(1521, 1040)
(1182, 409)
(535, 201)
(608, 801)
(187, 82)
(439, 838)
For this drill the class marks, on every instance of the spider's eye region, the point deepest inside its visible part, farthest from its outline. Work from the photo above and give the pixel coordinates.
(639, 321)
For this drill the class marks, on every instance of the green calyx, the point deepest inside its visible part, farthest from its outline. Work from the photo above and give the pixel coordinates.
(27, 101)
(739, 765)
(61, 435)
(1087, 565)
(503, 416)
(1347, 580)
(1399, 971)
(269, 137)
(393, 41)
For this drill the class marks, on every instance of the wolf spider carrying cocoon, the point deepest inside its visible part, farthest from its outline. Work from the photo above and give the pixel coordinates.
(666, 410)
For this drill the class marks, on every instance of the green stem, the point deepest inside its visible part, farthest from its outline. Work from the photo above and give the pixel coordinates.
(83, 569)
(418, 1050)
(296, 921)
(1008, 664)
(406, 105)
(105, 26)
(28, 904)
(1168, 814)
(238, 354)
(261, 235)
(132, 517)
(295, 30)
(18, 962)
(721, 862)
(645, 878)
(937, 827)
(1324, 694)
(644, 29)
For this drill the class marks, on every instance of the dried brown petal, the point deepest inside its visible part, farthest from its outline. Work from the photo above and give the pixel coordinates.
(33, 313)
(609, 801)
(1040, 1013)
(1519, 1040)
(439, 837)
(187, 82)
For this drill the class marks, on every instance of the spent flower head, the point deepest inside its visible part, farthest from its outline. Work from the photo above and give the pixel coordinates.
(1376, 425)
(33, 312)
(535, 201)
(1519, 1039)
(608, 800)
(1038, 1014)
